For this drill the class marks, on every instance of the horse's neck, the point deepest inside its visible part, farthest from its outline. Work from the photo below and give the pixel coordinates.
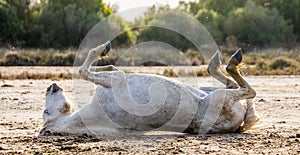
(68, 123)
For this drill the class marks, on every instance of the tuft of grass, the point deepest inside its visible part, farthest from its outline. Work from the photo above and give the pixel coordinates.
(169, 73)
(202, 73)
(184, 73)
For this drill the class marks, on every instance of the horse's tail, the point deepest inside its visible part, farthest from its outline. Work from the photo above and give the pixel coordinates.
(250, 117)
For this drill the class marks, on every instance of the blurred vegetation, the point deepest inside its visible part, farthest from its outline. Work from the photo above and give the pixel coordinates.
(43, 33)
(63, 24)
(255, 25)
(50, 23)
(250, 23)
(48, 57)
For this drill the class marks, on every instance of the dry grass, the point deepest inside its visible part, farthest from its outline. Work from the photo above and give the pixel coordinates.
(36, 57)
(258, 62)
(40, 76)
(273, 62)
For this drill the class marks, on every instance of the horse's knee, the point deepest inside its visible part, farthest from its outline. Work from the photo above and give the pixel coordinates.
(248, 92)
(252, 93)
(83, 72)
(111, 68)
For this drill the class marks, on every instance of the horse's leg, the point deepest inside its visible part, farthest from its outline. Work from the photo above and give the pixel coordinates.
(102, 75)
(104, 68)
(245, 91)
(214, 70)
(225, 105)
(250, 117)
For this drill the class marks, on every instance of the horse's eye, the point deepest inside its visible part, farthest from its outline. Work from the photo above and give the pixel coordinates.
(46, 112)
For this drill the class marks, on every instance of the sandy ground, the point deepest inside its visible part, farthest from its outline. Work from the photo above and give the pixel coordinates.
(278, 132)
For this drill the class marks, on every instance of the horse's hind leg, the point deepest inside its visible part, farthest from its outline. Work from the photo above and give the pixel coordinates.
(214, 70)
(102, 75)
(225, 105)
(245, 91)
(250, 117)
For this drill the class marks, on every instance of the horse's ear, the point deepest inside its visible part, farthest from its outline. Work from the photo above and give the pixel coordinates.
(66, 108)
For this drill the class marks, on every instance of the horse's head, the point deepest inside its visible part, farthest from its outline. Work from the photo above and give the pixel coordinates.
(56, 106)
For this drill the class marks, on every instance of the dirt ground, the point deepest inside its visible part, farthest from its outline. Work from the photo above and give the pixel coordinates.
(278, 132)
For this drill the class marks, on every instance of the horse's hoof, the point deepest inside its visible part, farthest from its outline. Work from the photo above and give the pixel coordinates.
(107, 45)
(236, 58)
(238, 55)
(216, 58)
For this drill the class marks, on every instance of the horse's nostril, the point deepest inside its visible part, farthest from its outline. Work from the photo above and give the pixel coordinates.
(49, 88)
(45, 132)
(54, 87)
(42, 132)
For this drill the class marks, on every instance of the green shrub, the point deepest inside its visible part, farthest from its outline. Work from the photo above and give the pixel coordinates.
(195, 57)
(212, 21)
(168, 36)
(11, 27)
(281, 63)
(257, 25)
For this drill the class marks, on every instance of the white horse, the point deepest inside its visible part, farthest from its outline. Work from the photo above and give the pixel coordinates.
(163, 103)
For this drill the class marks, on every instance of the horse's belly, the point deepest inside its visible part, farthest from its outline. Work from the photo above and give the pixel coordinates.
(147, 103)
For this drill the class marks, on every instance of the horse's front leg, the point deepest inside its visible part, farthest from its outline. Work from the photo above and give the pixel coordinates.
(99, 75)
(104, 68)
(214, 70)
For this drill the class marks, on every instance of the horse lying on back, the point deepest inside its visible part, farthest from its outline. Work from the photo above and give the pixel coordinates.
(163, 103)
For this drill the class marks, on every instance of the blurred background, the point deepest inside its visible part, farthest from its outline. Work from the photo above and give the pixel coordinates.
(49, 32)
